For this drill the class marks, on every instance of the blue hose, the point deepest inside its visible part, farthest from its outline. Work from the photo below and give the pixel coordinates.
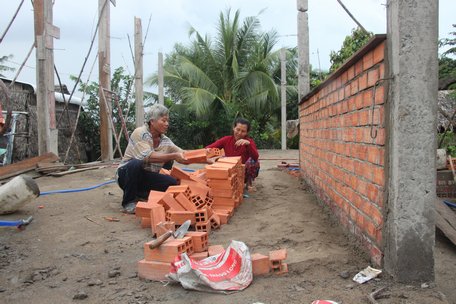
(10, 223)
(78, 189)
(450, 204)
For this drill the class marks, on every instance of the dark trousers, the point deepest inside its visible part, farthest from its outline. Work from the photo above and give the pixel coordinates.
(137, 182)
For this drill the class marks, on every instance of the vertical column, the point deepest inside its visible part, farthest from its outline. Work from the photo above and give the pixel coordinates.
(283, 97)
(45, 33)
(139, 96)
(161, 97)
(303, 49)
(410, 224)
(104, 79)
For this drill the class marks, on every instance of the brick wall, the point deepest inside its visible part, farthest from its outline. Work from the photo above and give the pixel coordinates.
(342, 144)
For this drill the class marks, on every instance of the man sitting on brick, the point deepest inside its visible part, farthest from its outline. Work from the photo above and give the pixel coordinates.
(148, 151)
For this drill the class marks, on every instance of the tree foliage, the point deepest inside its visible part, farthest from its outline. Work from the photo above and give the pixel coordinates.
(447, 63)
(351, 44)
(232, 74)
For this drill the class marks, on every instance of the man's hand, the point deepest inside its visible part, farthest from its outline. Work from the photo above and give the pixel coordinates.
(180, 158)
(242, 142)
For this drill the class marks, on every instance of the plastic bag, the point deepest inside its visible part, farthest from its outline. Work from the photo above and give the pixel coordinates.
(225, 272)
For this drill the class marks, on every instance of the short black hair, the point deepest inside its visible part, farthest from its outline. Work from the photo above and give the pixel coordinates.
(242, 121)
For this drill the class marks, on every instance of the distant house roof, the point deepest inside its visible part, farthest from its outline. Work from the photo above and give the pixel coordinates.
(58, 96)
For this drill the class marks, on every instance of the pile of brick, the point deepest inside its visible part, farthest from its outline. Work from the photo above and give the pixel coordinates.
(206, 197)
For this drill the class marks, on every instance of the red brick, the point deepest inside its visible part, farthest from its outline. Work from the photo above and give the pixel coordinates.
(372, 77)
(145, 222)
(196, 156)
(179, 217)
(203, 227)
(379, 53)
(215, 221)
(223, 192)
(163, 227)
(380, 95)
(154, 271)
(278, 255)
(221, 183)
(198, 201)
(217, 172)
(143, 209)
(200, 240)
(184, 202)
(196, 188)
(170, 203)
(224, 217)
(157, 215)
(175, 190)
(198, 256)
(166, 252)
(189, 246)
(260, 264)
(362, 82)
(215, 249)
(155, 196)
(231, 160)
(179, 174)
(359, 67)
(368, 60)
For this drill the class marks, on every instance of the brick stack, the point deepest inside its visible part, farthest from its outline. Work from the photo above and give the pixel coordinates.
(226, 179)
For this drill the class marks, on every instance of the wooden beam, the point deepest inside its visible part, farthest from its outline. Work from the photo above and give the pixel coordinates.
(26, 165)
(445, 220)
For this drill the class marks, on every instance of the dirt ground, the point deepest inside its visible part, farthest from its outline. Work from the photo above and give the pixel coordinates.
(70, 253)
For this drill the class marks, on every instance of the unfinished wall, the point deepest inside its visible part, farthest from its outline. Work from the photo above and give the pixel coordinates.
(342, 144)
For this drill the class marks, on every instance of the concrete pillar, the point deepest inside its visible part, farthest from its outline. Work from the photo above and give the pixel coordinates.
(303, 49)
(412, 101)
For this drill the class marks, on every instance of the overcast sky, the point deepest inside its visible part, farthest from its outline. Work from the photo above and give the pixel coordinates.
(170, 22)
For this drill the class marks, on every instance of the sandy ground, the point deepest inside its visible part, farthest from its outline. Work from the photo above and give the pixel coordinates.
(70, 251)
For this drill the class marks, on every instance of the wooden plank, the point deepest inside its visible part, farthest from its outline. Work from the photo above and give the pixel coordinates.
(445, 220)
(26, 165)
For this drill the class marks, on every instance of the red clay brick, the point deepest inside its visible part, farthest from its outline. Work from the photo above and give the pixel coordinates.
(260, 264)
(278, 255)
(155, 196)
(166, 252)
(215, 221)
(185, 203)
(200, 240)
(163, 227)
(379, 53)
(170, 203)
(196, 156)
(198, 256)
(215, 249)
(203, 227)
(157, 215)
(152, 270)
(368, 60)
(164, 171)
(179, 174)
(179, 217)
(228, 193)
(231, 160)
(222, 183)
(143, 209)
(196, 188)
(217, 172)
(198, 202)
(175, 190)
(145, 222)
(224, 218)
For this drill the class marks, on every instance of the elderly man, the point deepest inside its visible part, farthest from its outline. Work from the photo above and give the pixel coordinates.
(147, 152)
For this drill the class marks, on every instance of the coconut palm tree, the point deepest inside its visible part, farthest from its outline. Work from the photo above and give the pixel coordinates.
(228, 75)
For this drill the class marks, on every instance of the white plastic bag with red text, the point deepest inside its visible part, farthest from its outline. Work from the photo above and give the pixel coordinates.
(226, 272)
